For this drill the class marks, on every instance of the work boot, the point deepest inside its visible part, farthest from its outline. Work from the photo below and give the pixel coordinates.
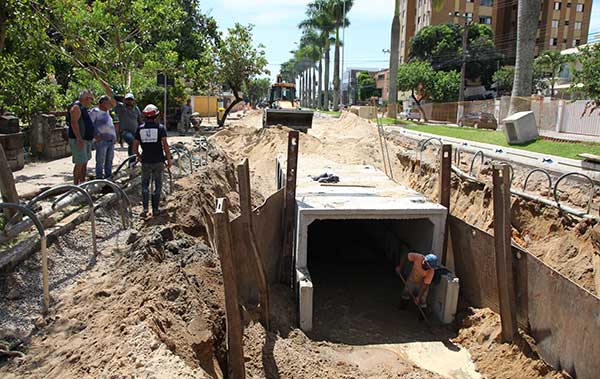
(155, 212)
(144, 213)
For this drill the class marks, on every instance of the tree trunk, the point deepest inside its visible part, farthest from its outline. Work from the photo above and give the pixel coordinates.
(314, 88)
(527, 26)
(233, 104)
(327, 64)
(394, 57)
(310, 87)
(418, 102)
(320, 84)
(336, 71)
(8, 189)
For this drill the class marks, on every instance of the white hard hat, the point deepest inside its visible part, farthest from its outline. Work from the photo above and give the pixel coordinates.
(151, 111)
(129, 96)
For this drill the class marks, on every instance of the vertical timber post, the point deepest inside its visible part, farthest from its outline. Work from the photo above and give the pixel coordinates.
(235, 332)
(289, 212)
(444, 195)
(504, 258)
(243, 171)
(8, 189)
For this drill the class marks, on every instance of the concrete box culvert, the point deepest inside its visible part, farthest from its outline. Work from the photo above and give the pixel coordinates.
(365, 206)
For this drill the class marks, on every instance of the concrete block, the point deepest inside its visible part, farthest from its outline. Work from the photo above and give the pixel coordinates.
(520, 128)
(9, 124)
(305, 293)
(443, 298)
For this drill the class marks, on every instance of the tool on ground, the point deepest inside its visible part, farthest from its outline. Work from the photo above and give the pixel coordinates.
(414, 299)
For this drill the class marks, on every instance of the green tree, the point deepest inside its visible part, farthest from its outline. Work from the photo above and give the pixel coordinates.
(366, 86)
(339, 10)
(504, 78)
(552, 62)
(425, 83)
(586, 79)
(441, 45)
(320, 17)
(239, 62)
(258, 89)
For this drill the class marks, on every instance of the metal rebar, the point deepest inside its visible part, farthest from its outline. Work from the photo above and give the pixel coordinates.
(40, 227)
(479, 152)
(589, 208)
(542, 171)
(72, 188)
(124, 198)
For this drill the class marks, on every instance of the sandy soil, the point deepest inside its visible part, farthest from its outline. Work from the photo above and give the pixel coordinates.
(155, 309)
(562, 242)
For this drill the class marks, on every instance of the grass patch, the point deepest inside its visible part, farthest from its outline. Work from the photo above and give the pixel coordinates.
(561, 149)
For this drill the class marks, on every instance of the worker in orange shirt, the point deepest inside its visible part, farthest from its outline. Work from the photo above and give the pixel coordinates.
(420, 277)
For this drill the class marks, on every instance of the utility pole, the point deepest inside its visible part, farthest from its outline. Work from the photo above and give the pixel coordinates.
(343, 51)
(463, 68)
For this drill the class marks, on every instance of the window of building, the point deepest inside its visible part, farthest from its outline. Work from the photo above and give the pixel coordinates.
(567, 23)
(564, 40)
(485, 20)
(568, 5)
(469, 15)
(553, 42)
(578, 25)
(486, 3)
(557, 6)
(470, 1)
(554, 24)
(419, 20)
(579, 7)
(576, 42)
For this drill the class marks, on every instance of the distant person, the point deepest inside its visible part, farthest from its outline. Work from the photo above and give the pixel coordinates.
(417, 278)
(105, 136)
(81, 134)
(152, 137)
(130, 118)
(186, 116)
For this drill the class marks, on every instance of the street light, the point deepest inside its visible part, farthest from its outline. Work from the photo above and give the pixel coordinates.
(463, 68)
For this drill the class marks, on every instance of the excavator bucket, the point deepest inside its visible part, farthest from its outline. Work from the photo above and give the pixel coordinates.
(292, 118)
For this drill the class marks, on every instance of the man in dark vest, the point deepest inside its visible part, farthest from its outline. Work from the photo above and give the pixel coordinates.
(81, 134)
(152, 137)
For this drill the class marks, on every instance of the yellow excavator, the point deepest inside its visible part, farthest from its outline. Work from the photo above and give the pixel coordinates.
(284, 109)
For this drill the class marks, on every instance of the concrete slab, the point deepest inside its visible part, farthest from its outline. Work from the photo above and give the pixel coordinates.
(362, 193)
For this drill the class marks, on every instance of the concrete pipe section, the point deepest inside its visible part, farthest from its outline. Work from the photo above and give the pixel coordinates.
(350, 235)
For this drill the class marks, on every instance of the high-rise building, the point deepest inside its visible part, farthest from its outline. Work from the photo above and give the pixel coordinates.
(562, 24)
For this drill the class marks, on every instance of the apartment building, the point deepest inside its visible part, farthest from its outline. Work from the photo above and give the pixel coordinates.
(563, 23)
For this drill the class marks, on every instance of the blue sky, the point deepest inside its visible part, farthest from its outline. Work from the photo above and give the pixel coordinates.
(276, 27)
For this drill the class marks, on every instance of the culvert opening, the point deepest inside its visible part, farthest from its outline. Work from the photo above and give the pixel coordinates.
(356, 291)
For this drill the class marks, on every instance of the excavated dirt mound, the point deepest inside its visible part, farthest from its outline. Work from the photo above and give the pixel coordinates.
(480, 333)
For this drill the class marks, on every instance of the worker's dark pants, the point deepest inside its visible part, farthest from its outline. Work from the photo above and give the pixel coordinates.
(154, 172)
(128, 137)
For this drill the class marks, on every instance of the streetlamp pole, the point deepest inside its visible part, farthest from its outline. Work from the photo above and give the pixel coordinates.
(343, 52)
(463, 68)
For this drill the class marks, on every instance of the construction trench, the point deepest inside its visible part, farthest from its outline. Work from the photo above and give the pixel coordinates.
(154, 306)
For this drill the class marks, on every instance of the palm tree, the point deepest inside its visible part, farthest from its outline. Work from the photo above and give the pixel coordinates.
(528, 15)
(552, 62)
(312, 44)
(394, 57)
(340, 11)
(320, 18)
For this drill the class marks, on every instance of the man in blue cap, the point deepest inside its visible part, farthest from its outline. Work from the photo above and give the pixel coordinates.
(420, 277)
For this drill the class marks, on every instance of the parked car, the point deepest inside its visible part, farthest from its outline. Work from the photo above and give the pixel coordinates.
(410, 114)
(479, 120)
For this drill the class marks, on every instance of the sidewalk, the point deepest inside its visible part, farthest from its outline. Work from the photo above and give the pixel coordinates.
(36, 176)
(569, 136)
